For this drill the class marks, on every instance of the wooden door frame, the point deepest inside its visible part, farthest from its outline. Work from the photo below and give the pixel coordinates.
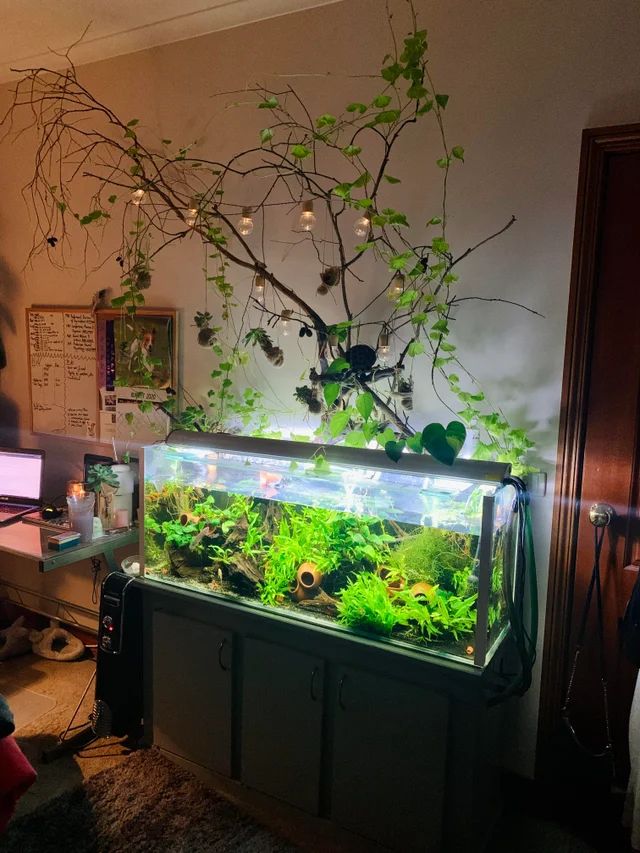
(597, 144)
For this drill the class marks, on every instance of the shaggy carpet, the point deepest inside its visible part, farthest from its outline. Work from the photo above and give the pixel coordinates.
(144, 804)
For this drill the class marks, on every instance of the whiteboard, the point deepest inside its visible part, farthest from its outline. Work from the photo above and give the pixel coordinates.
(63, 371)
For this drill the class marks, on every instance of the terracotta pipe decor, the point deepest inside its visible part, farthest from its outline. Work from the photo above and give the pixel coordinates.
(422, 588)
(308, 580)
(189, 518)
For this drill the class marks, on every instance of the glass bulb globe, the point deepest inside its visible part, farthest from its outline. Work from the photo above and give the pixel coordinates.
(285, 322)
(259, 288)
(137, 196)
(245, 223)
(361, 226)
(190, 216)
(396, 288)
(307, 219)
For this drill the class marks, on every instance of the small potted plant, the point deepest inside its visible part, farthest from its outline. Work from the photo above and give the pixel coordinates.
(103, 480)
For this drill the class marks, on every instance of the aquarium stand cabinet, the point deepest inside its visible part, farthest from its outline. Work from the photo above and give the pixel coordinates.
(387, 744)
(322, 623)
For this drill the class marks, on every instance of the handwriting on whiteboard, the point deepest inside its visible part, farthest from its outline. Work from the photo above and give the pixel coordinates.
(62, 353)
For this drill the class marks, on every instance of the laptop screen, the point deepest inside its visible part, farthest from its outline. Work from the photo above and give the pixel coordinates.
(20, 474)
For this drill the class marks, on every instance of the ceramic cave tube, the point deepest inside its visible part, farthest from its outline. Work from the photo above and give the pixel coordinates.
(413, 552)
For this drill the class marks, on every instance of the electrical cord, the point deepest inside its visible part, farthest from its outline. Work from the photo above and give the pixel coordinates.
(524, 631)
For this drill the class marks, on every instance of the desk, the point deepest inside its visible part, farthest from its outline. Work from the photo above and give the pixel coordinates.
(30, 542)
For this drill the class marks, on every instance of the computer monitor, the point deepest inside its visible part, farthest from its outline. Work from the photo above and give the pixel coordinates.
(21, 474)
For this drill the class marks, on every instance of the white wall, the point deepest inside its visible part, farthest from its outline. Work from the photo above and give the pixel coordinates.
(524, 76)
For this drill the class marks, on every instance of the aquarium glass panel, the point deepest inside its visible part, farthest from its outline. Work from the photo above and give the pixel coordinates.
(503, 561)
(387, 552)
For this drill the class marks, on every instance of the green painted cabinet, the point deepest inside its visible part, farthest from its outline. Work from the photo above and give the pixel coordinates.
(281, 737)
(192, 690)
(388, 760)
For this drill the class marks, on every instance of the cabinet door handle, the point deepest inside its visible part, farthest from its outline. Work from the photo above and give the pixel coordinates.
(312, 684)
(221, 646)
(341, 684)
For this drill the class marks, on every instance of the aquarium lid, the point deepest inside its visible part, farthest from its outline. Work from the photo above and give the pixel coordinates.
(411, 463)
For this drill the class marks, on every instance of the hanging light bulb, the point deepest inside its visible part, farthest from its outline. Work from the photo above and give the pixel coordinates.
(245, 223)
(307, 219)
(137, 196)
(191, 215)
(258, 285)
(384, 346)
(396, 288)
(362, 225)
(285, 321)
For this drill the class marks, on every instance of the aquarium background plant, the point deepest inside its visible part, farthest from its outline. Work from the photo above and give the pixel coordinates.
(332, 172)
(374, 575)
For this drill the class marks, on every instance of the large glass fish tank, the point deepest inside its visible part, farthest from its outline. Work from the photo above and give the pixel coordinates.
(412, 553)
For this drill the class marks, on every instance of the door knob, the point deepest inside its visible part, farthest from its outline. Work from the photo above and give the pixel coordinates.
(601, 514)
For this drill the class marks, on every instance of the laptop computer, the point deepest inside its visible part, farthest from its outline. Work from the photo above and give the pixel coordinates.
(20, 482)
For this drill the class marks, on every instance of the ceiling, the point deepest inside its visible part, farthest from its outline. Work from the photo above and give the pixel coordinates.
(32, 29)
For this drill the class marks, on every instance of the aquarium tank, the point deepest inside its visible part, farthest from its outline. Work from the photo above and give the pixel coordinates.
(412, 553)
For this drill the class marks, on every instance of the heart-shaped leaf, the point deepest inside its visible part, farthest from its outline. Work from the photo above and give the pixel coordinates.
(394, 449)
(364, 405)
(456, 434)
(444, 444)
(414, 443)
(331, 392)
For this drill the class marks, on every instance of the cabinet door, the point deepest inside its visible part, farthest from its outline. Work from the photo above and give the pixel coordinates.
(282, 723)
(389, 754)
(192, 689)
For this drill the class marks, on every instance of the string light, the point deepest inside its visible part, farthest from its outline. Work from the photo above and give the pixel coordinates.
(137, 196)
(362, 225)
(396, 288)
(245, 223)
(258, 285)
(285, 321)
(307, 219)
(384, 347)
(191, 215)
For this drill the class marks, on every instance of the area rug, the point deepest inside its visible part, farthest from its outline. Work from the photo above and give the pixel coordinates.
(147, 804)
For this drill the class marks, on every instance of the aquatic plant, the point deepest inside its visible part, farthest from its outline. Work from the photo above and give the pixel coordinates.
(177, 535)
(440, 614)
(337, 542)
(364, 603)
(435, 556)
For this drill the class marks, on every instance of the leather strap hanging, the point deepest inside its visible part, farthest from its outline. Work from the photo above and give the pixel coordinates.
(594, 584)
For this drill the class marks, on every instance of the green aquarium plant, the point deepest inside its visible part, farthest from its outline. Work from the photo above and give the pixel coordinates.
(435, 556)
(365, 604)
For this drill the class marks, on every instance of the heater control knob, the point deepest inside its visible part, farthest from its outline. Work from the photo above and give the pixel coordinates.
(106, 643)
(107, 622)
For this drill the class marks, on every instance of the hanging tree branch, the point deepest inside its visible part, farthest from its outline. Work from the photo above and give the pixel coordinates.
(171, 195)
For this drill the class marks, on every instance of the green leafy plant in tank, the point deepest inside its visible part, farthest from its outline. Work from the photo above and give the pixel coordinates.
(335, 168)
(365, 604)
(433, 555)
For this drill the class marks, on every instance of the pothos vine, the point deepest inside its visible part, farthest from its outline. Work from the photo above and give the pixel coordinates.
(174, 195)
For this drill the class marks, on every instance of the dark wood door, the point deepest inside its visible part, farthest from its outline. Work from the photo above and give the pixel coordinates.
(599, 451)
(192, 679)
(388, 761)
(282, 702)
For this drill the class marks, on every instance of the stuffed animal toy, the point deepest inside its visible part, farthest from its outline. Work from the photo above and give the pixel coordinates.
(14, 640)
(55, 643)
